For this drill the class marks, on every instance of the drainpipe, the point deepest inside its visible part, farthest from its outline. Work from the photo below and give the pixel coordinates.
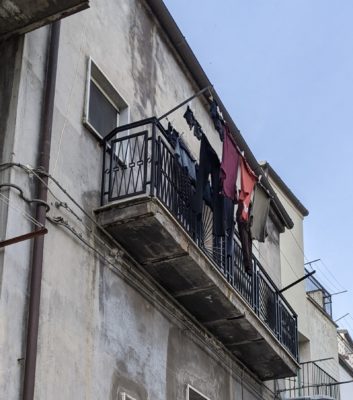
(40, 215)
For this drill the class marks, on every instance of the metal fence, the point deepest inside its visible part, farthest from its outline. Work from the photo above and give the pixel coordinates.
(138, 160)
(311, 380)
(319, 293)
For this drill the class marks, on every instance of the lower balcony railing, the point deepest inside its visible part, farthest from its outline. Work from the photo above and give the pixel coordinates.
(311, 380)
(139, 161)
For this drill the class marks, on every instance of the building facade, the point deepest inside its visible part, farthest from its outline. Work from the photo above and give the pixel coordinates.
(345, 356)
(135, 302)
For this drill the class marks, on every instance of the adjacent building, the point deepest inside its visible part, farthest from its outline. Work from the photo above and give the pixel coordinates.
(345, 356)
(318, 353)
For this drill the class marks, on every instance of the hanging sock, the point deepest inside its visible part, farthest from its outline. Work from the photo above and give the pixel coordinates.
(198, 132)
(229, 168)
(189, 116)
(248, 180)
(217, 118)
(258, 214)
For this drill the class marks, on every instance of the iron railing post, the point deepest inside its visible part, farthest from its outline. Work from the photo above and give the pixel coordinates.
(112, 150)
(153, 160)
(103, 172)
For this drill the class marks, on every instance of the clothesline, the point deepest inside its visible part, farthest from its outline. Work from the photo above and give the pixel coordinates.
(209, 88)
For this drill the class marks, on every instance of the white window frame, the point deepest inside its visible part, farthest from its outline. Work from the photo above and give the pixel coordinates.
(100, 79)
(195, 390)
(125, 396)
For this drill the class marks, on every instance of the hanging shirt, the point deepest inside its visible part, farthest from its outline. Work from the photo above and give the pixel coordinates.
(259, 213)
(229, 168)
(248, 180)
(209, 165)
(185, 158)
(217, 118)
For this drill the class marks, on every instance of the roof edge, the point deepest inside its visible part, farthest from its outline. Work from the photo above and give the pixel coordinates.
(286, 190)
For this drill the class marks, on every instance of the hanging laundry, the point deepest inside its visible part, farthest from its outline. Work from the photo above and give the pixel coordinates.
(259, 213)
(229, 226)
(229, 168)
(217, 118)
(209, 164)
(185, 158)
(198, 132)
(193, 123)
(245, 239)
(189, 116)
(181, 151)
(248, 180)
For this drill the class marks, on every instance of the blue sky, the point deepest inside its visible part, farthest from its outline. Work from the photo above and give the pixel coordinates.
(284, 70)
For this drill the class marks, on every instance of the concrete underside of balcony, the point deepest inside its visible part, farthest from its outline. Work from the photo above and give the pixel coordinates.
(20, 16)
(155, 239)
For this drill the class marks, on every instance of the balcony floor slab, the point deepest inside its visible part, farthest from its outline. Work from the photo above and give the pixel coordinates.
(147, 230)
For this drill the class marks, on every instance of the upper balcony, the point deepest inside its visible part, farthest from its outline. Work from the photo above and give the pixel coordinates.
(146, 206)
(21, 16)
(317, 292)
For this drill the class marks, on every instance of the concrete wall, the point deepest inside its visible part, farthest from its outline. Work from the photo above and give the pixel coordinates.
(292, 262)
(101, 331)
(268, 253)
(323, 339)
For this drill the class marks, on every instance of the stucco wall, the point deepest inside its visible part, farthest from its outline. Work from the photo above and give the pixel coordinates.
(323, 339)
(292, 262)
(98, 334)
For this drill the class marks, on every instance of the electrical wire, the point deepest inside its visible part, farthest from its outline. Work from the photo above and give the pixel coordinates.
(23, 197)
(23, 212)
(38, 173)
(206, 339)
(333, 276)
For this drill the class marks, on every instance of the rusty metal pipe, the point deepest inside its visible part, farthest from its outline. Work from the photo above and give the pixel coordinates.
(42, 194)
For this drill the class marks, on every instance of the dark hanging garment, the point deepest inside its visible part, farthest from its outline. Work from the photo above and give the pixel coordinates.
(217, 119)
(229, 226)
(245, 240)
(209, 164)
(259, 213)
(185, 158)
(198, 132)
(189, 116)
(229, 168)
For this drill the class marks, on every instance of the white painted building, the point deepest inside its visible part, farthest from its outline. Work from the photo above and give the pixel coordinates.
(345, 355)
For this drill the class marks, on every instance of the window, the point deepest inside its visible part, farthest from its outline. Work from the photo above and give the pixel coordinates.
(125, 396)
(193, 394)
(104, 109)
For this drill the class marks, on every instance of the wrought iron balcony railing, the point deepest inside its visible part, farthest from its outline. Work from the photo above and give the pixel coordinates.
(138, 161)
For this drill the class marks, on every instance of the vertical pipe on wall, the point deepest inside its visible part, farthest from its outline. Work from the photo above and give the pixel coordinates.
(42, 193)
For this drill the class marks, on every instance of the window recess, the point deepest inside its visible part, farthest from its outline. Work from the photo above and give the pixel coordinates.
(193, 394)
(105, 109)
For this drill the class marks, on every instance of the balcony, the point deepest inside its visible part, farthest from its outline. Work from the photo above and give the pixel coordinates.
(146, 206)
(21, 16)
(312, 380)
